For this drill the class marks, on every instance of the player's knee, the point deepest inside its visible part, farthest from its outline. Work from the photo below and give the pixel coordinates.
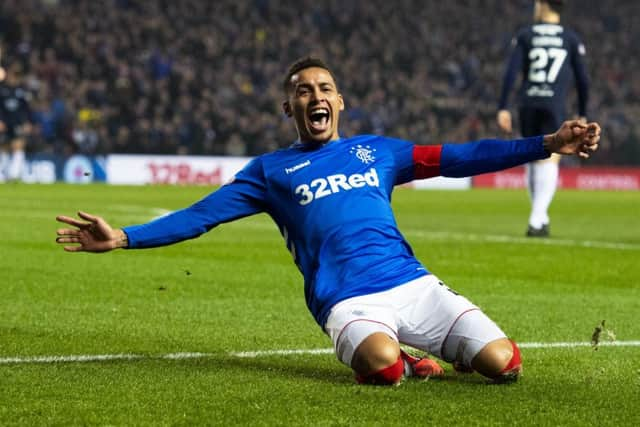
(499, 360)
(377, 360)
(512, 370)
(389, 375)
(376, 352)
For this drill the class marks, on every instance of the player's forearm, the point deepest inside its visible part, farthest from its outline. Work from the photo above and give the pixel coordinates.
(583, 97)
(489, 155)
(232, 201)
(509, 78)
(503, 102)
(582, 86)
(175, 227)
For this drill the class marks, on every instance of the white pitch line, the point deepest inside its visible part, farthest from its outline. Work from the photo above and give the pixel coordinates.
(446, 235)
(84, 358)
(254, 354)
(578, 344)
(470, 237)
(496, 238)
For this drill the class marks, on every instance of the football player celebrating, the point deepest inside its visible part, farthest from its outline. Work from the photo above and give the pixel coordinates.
(548, 55)
(330, 197)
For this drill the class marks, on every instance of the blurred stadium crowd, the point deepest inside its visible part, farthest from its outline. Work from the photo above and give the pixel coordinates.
(204, 77)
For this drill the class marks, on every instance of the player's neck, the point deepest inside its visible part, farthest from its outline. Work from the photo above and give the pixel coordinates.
(550, 18)
(312, 144)
(316, 143)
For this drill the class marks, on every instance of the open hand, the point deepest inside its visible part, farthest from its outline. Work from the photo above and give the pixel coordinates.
(96, 235)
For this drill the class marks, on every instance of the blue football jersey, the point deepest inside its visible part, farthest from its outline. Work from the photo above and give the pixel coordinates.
(332, 205)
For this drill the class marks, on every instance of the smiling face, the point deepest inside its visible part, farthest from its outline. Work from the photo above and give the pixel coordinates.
(315, 104)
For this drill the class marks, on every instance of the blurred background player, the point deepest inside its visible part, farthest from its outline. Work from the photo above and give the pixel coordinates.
(15, 124)
(548, 55)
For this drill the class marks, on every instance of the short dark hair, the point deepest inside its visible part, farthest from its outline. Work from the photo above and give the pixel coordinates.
(555, 5)
(301, 64)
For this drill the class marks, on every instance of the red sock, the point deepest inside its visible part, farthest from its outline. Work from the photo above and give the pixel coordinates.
(387, 376)
(515, 364)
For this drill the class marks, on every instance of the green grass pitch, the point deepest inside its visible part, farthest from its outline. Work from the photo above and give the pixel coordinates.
(236, 289)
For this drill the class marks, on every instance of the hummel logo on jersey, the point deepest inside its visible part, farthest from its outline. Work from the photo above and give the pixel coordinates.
(332, 184)
(364, 154)
(296, 167)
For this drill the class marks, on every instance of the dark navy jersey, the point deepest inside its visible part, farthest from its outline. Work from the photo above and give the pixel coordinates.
(331, 204)
(549, 57)
(14, 107)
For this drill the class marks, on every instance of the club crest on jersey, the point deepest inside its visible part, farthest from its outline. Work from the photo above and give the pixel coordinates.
(363, 153)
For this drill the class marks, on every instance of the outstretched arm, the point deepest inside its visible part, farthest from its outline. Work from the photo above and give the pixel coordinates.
(93, 234)
(244, 196)
(490, 155)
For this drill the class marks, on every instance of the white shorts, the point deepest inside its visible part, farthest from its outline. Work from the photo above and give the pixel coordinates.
(423, 313)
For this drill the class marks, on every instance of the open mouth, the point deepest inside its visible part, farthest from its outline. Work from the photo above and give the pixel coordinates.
(319, 119)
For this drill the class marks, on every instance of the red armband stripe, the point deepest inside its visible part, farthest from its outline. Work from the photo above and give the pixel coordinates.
(426, 161)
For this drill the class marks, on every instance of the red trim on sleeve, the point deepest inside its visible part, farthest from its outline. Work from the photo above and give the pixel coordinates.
(426, 161)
